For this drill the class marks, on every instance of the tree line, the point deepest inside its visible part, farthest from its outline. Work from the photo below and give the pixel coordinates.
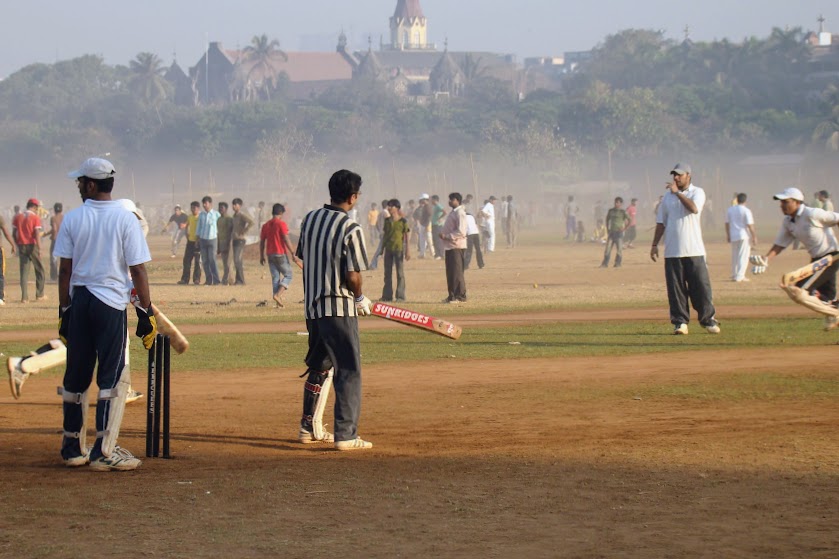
(638, 95)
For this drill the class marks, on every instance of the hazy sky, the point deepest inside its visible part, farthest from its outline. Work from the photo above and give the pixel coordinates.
(50, 30)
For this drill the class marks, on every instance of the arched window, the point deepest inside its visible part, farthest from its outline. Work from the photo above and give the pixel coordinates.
(406, 39)
(416, 38)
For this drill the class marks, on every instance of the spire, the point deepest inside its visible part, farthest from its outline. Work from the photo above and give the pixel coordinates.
(408, 9)
(821, 21)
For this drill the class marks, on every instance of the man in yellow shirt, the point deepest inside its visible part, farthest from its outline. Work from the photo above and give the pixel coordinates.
(191, 252)
(372, 221)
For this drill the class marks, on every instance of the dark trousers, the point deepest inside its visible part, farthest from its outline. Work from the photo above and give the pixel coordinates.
(27, 254)
(616, 240)
(822, 282)
(394, 260)
(631, 233)
(208, 248)
(473, 244)
(239, 260)
(53, 262)
(454, 274)
(2, 274)
(687, 279)
(191, 253)
(225, 263)
(97, 332)
(333, 342)
(435, 238)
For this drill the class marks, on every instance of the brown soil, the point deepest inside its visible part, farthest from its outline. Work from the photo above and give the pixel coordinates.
(541, 458)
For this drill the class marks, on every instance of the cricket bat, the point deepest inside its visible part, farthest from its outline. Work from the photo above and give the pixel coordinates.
(418, 320)
(167, 328)
(806, 271)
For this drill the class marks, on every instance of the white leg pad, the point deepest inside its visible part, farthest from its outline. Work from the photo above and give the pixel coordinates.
(115, 408)
(317, 415)
(79, 398)
(47, 360)
(804, 299)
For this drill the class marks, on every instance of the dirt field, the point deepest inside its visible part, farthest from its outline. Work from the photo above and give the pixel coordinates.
(575, 457)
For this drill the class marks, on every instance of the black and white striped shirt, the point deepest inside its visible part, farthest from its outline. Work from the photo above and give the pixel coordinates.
(331, 244)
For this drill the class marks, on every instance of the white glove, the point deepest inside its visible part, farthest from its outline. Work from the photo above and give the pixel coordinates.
(363, 306)
(758, 269)
(759, 260)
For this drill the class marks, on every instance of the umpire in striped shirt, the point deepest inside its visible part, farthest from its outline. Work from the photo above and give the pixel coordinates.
(332, 248)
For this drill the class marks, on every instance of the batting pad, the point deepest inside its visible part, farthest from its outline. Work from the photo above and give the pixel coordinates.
(114, 400)
(79, 398)
(813, 303)
(46, 357)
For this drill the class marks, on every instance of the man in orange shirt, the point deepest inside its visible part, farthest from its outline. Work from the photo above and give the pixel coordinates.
(27, 227)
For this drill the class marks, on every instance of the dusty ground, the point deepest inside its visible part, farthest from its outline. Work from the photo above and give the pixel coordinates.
(540, 458)
(582, 457)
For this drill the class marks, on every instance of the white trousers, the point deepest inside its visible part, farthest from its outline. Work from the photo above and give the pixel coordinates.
(739, 259)
(489, 229)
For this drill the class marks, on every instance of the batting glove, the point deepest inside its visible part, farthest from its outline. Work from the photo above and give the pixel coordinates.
(363, 306)
(146, 326)
(759, 260)
(63, 323)
(758, 269)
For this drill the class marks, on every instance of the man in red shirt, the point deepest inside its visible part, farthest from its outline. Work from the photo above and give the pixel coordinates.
(631, 231)
(274, 238)
(27, 227)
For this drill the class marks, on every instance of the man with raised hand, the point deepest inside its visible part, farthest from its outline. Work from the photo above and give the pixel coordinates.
(102, 251)
(685, 270)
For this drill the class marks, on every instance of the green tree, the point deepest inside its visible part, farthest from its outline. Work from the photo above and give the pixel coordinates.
(146, 82)
(260, 62)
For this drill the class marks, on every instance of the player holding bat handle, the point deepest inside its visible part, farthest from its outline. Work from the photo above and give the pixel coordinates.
(812, 227)
(102, 250)
(332, 247)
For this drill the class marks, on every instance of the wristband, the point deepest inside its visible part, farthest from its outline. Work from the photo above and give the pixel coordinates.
(359, 299)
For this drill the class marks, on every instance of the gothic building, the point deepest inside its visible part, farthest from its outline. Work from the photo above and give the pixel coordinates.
(410, 66)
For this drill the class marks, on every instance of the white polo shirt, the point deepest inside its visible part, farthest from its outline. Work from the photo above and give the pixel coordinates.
(813, 228)
(739, 218)
(683, 231)
(103, 240)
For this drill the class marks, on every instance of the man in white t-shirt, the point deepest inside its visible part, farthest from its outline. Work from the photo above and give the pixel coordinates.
(102, 250)
(685, 270)
(740, 233)
(488, 223)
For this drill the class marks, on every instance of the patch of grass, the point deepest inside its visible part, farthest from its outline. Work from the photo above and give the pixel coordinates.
(560, 339)
(542, 340)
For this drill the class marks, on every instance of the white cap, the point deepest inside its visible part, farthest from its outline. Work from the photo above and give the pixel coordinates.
(94, 168)
(790, 193)
(424, 196)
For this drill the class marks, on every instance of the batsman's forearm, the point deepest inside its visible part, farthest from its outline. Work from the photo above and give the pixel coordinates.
(65, 271)
(141, 283)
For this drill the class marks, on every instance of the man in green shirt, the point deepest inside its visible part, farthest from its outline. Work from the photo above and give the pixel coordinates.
(396, 246)
(617, 220)
(225, 238)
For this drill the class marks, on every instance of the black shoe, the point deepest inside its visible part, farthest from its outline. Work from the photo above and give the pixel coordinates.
(182, 282)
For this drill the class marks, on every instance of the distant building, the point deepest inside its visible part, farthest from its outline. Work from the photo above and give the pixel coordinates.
(410, 66)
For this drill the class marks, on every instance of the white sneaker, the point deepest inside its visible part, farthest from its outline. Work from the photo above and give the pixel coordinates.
(120, 460)
(307, 437)
(356, 444)
(713, 328)
(16, 376)
(2, 302)
(830, 322)
(133, 396)
(680, 330)
(78, 461)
